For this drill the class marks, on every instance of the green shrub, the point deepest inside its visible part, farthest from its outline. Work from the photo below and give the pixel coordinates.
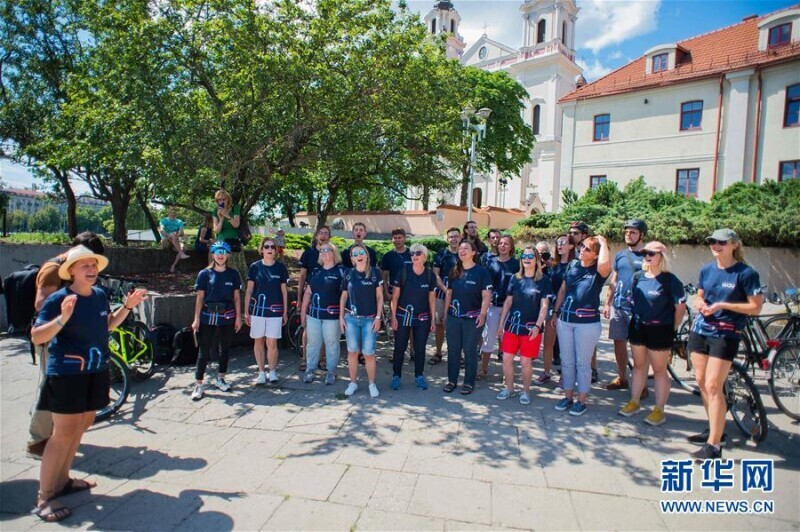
(37, 238)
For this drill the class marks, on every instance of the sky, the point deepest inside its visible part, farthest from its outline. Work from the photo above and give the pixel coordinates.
(609, 33)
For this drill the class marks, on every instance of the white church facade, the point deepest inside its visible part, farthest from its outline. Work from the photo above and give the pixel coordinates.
(545, 66)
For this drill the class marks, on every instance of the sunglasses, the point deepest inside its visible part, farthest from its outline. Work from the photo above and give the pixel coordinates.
(562, 243)
(220, 252)
(325, 250)
(269, 246)
(524, 256)
(715, 242)
(417, 253)
(652, 253)
(575, 232)
(581, 247)
(359, 253)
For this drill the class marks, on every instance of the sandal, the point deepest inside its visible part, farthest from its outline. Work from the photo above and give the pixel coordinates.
(482, 374)
(73, 486)
(435, 359)
(50, 514)
(466, 389)
(302, 365)
(449, 387)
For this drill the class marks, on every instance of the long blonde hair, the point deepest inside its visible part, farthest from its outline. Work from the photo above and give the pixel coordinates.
(337, 257)
(361, 247)
(222, 194)
(537, 266)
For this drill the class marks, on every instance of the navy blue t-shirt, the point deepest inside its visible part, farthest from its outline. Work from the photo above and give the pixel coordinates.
(310, 261)
(582, 298)
(445, 260)
(394, 262)
(557, 273)
(626, 264)
(729, 285)
(81, 346)
(651, 304)
(467, 292)
(527, 295)
(347, 260)
(266, 301)
(326, 288)
(487, 258)
(361, 291)
(412, 306)
(218, 289)
(501, 274)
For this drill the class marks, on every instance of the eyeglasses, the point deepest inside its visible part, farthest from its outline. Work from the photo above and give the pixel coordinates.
(524, 256)
(325, 250)
(715, 242)
(358, 253)
(269, 246)
(652, 253)
(417, 253)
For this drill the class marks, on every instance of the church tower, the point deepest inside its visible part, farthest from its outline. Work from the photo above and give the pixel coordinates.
(444, 18)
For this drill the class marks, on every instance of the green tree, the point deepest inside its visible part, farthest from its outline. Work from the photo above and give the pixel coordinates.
(18, 221)
(47, 219)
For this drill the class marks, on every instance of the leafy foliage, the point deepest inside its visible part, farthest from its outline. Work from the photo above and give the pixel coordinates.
(762, 215)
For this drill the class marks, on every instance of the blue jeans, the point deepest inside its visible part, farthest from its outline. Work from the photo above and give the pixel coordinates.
(360, 336)
(317, 332)
(462, 335)
(577, 342)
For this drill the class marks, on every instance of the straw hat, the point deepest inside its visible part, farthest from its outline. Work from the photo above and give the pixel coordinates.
(79, 253)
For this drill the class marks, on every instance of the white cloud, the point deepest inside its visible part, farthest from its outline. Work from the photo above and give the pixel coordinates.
(615, 55)
(604, 23)
(593, 70)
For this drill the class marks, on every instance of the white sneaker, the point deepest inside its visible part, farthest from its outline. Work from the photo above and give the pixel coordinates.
(373, 391)
(273, 376)
(351, 389)
(222, 385)
(197, 394)
(262, 378)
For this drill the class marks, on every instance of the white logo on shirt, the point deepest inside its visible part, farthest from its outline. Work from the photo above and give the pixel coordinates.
(728, 285)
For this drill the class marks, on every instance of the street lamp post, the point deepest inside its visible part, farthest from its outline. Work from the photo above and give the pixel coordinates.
(477, 132)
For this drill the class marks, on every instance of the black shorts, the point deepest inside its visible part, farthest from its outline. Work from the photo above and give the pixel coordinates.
(653, 337)
(74, 394)
(724, 347)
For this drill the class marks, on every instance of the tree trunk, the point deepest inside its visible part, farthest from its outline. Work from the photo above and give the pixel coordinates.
(151, 220)
(464, 184)
(288, 208)
(324, 210)
(120, 201)
(72, 203)
(349, 198)
(426, 197)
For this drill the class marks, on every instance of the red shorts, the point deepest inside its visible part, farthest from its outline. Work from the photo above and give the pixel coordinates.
(513, 343)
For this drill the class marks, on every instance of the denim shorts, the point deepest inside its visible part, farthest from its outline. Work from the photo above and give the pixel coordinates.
(360, 336)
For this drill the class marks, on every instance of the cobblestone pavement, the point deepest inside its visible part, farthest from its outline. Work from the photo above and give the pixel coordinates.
(302, 457)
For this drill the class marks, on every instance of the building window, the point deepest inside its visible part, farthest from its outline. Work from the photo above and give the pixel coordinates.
(564, 32)
(596, 180)
(536, 119)
(779, 35)
(791, 116)
(477, 197)
(602, 127)
(660, 62)
(687, 182)
(789, 170)
(452, 26)
(540, 30)
(691, 115)
(433, 26)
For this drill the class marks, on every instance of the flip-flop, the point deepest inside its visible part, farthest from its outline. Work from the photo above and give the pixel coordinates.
(71, 487)
(466, 389)
(449, 387)
(435, 359)
(48, 514)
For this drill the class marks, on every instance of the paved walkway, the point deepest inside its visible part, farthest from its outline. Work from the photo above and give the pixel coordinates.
(299, 457)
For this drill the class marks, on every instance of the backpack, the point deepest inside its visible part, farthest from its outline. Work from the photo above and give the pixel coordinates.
(20, 291)
(163, 338)
(184, 348)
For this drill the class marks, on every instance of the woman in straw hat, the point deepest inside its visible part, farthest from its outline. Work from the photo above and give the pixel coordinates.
(75, 320)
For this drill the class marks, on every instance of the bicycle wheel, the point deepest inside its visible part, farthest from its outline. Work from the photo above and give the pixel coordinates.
(135, 346)
(776, 327)
(119, 386)
(744, 404)
(784, 379)
(297, 340)
(292, 324)
(680, 367)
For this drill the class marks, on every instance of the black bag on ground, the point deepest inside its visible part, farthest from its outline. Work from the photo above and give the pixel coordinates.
(19, 289)
(163, 337)
(184, 348)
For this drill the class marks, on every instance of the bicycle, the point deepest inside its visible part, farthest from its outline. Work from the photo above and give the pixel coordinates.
(119, 387)
(130, 341)
(784, 378)
(785, 325)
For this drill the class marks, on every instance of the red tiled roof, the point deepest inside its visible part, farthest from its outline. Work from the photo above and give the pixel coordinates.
(724, 50)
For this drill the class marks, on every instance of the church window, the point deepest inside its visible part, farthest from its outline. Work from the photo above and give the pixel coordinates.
(540, 30)
(536, 119)
(433, 26)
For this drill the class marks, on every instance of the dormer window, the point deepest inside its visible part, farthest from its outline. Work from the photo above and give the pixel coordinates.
(660, 62)
(780, 35)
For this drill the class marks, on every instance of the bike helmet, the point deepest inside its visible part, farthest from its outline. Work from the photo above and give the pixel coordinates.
(580, 226)
(635, 223)
(216, 247)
